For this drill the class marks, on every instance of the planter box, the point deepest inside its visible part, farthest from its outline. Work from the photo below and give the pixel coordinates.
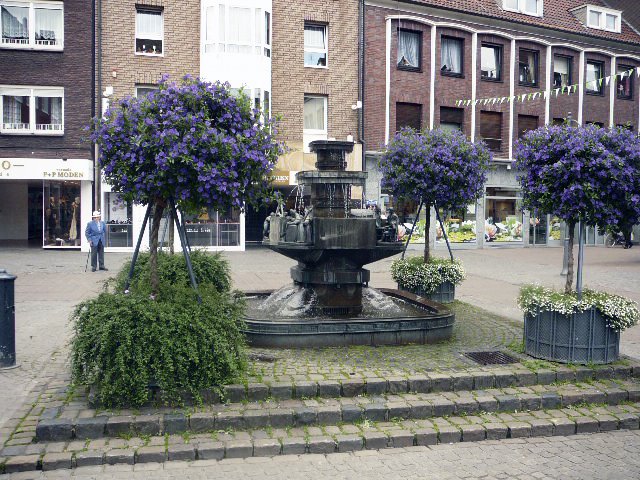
(579, 338)
(445, 293)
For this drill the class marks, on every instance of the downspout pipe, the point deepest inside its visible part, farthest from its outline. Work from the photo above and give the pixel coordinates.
(98, 99)
(93, 83)
(361, 92)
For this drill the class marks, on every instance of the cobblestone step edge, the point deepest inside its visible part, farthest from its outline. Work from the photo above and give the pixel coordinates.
(427, 383)
(62, 429)
(327, 444)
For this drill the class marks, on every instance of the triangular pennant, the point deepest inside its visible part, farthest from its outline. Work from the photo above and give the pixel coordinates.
(523, 98)
(599, 82)
(638, 71)
(530, 96)
(607, 79)
(562, 89)
(493, 101)
(557, 91)
(545, 94)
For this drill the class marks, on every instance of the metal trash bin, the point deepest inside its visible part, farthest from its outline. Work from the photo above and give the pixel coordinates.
(7, 320)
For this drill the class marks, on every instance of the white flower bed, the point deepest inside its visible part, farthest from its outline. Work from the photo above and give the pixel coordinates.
(619, 312)
(413, 274)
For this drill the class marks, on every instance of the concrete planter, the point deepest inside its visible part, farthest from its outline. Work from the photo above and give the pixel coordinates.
(578, 338)
(445, 293)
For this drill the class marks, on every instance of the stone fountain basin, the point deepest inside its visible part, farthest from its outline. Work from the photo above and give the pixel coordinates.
(429, 322)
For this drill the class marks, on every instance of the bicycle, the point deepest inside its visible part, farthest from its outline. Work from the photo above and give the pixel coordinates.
(613, 239)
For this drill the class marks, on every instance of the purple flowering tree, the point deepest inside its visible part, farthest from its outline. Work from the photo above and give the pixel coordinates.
(193, 142)
(581, 173)
(437, 167)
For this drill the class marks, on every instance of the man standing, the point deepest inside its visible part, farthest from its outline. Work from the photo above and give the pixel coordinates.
(95, 233)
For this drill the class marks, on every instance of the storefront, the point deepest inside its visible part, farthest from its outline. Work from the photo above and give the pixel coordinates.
(45, 201)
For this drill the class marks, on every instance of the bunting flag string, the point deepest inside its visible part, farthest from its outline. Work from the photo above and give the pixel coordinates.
(594, 84)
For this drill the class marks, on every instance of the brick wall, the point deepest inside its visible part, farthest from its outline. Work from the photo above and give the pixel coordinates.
(70, 69)
(181, 46)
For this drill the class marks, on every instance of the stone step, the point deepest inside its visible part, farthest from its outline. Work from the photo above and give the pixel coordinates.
(366, 434)
(320, 411)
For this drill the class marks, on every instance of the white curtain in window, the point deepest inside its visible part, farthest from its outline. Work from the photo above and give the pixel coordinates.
(531, 6)
(15, 23)
(221, 25)
(314, 113)
(149, 25)
(56, 111)
(314, 37)
(48, 25)
(12, 109)
(452, 55)
(594, 18)
(408, 49)
(210, 18)
(490, 61)
(240, 25)
(512, 4)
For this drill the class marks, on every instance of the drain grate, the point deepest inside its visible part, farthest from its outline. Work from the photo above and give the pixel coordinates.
(491, 358)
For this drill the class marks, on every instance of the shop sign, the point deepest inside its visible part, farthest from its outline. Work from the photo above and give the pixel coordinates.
(283, 178)
(45, 169)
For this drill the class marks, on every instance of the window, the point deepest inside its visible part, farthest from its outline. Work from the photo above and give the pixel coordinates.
(625, 84)
(528, 67)
(408, 115)
(144, 90)
(595, 74)
(491, 130)
(36, 111)
(32, 25)
(267, 105)
(558, 121)
(596, 124)
(526, 123)
(315, 45)
(451, 118)
(267, 34)
(491, 62)
(409, 50)
(528, 7)
(626, 126)
(315, 120)
(451, 56)
(239, 31)
(149, 32)
(561, 71)
(603, 18)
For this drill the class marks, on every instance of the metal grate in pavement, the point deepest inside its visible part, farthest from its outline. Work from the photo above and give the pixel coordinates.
(491, 358)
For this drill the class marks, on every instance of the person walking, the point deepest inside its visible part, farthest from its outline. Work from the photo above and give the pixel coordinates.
(95, 233)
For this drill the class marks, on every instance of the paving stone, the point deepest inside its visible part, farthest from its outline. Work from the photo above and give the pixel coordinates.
(628, 421)
(508, 403)
(615, 396)
(119, 425)
(57, 461)
(50, 413)
(352, 387)
(571, 398)
(443, 407)
(541, 427)
(173, 423)
(293, 446)
(621, 371)
(281, 418)
(449, 434)
(525, 377)
(563, 426)
(473, 433)
(375, 440)
(420, 409)
(586, 425)
(21, 463)
(487, 404)
(120, 455)
(426, 436)
(376, 386)
(601, 373)
(349, 443)
(281, 391)
(224, 421)
(147, 425)
(151, 454)
(466, 405)
(519, 429)
(419, 384)
(305, 416)
(396, 385)
(234, 393)
(376, 412)
(584, 373)
(181, 452)
(401, 439)
(496, 431)
(210, 451)
(202, 422)
(210, 396)
(254, 419)
(89, 428)
(329, 388)
(551, 401)
(483, 380)
(440, 383)
(634, 392)
(607, 423)
(504, 378)
(266, 447)
(321, 445)
(238, 449)
(398, 410)
(545, 377)
(593, 396)
(13, 451)
(565, 374)
(57, 429)
(306, 389)
(257, 392)
(530, 401)
(89, 458)
(462, 381)
(351, 413)
(329, 415)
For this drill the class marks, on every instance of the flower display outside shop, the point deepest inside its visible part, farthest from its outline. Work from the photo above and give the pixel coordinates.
(413, 274)
(619, 312)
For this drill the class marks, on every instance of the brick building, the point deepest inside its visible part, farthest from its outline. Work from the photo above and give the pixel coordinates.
(46, 167)
(421, 57)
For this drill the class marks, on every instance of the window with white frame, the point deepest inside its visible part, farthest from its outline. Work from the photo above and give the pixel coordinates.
(603, 18)
(315, 45)
(528, 7)
(144, 90)
(33, 25)
(561, 71)
(595, 78)
(315, 119)
(237, 30)
(149, 31)
(28, 110)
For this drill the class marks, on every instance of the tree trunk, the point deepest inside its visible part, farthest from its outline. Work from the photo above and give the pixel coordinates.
(569, 282)
(158, 210)
(427, 237)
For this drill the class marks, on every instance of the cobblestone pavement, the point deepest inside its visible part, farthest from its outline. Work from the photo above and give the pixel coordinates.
(613, 455)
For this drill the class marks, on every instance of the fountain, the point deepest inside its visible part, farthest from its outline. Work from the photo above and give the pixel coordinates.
(330, 302)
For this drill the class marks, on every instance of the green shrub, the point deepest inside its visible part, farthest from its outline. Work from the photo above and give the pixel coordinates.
(209, 269)
(123, 343)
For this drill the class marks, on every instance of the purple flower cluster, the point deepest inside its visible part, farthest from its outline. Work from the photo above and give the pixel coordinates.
(192, 141)
(436, 166)
(586, 173)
